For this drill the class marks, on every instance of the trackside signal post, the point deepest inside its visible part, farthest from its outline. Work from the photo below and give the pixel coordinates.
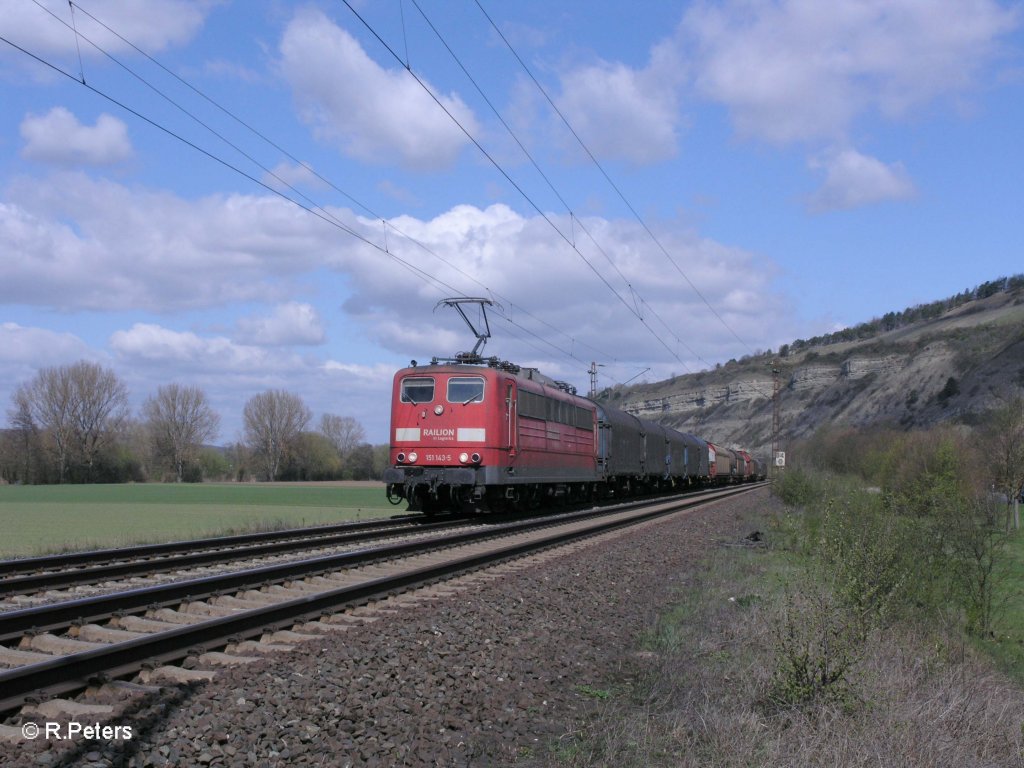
(593, 378)
(778, 456)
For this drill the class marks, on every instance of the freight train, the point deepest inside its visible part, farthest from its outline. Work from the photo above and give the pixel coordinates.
(474, 433)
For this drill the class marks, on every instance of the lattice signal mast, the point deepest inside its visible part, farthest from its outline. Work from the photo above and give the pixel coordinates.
(593, 378)
(776, 367)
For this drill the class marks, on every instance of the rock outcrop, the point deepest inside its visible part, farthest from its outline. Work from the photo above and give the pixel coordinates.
(949, 369)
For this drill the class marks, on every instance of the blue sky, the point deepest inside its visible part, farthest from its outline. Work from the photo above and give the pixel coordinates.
(645, 185)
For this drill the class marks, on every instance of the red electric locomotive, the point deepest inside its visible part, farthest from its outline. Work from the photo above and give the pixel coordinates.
(488, 434)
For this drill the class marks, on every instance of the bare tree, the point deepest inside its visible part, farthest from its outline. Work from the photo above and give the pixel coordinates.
(23, 426)
(273, 421)
(179, 420)
(101, 409)
(1006, 444)
(45, 404)
(80, 408)
(344, 432)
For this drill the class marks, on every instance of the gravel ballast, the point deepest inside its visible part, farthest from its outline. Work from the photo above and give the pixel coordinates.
(492, 675)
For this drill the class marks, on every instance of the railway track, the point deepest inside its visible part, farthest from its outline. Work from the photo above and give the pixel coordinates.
(59, 649)
(26, 576)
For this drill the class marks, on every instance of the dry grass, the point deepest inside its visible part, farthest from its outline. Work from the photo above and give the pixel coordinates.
(698, 692)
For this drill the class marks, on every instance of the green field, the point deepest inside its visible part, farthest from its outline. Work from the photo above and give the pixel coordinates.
(54, 518)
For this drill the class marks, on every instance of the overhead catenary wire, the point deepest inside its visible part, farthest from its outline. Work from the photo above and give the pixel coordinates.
(574, 221)
(78, 47)
(487, 155)
(81, 36)
(289, 155)
(311, 207)
(608, 178)
(622, 196)
(490, 158)
(226, 164)
(640, 306)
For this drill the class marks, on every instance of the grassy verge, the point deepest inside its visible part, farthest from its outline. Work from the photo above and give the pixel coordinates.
(1008, 645)
(43, 519)
(762, 662)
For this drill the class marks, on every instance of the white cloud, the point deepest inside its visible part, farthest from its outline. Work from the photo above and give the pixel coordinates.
(373, 113)
(853, 180)
(146, 356)
(57, 137)
(233, 372)
(627, 113)
(558, 298)
(284, 175)
(38, 347)
(289, 324)
(80, 245)
(24, 350)
(154, 343)
(793, 70)
(153, 26)
(374, 375)
(86, 244)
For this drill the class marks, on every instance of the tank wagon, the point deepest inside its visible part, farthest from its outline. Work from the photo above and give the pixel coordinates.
(475, 433)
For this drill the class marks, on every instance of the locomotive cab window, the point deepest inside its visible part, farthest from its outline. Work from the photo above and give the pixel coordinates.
(465, 389)
(417, 389)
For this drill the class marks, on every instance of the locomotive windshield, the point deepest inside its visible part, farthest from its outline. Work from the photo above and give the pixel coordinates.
(417, 389)
(465, 389)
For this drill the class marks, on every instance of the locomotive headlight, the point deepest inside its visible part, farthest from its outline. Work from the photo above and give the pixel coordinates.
(464, 458)
(412, 457)
(476, 458)
(400, 458)
(438, 409)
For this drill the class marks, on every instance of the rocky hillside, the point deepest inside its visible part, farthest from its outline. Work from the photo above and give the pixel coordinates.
(949, 361)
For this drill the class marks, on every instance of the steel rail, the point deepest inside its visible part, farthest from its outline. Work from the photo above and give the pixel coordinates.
(73, 672)
(95, 556)
(208, 554)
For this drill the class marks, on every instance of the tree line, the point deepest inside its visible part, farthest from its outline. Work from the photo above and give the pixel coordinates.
(890, 321)
(74, 424)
